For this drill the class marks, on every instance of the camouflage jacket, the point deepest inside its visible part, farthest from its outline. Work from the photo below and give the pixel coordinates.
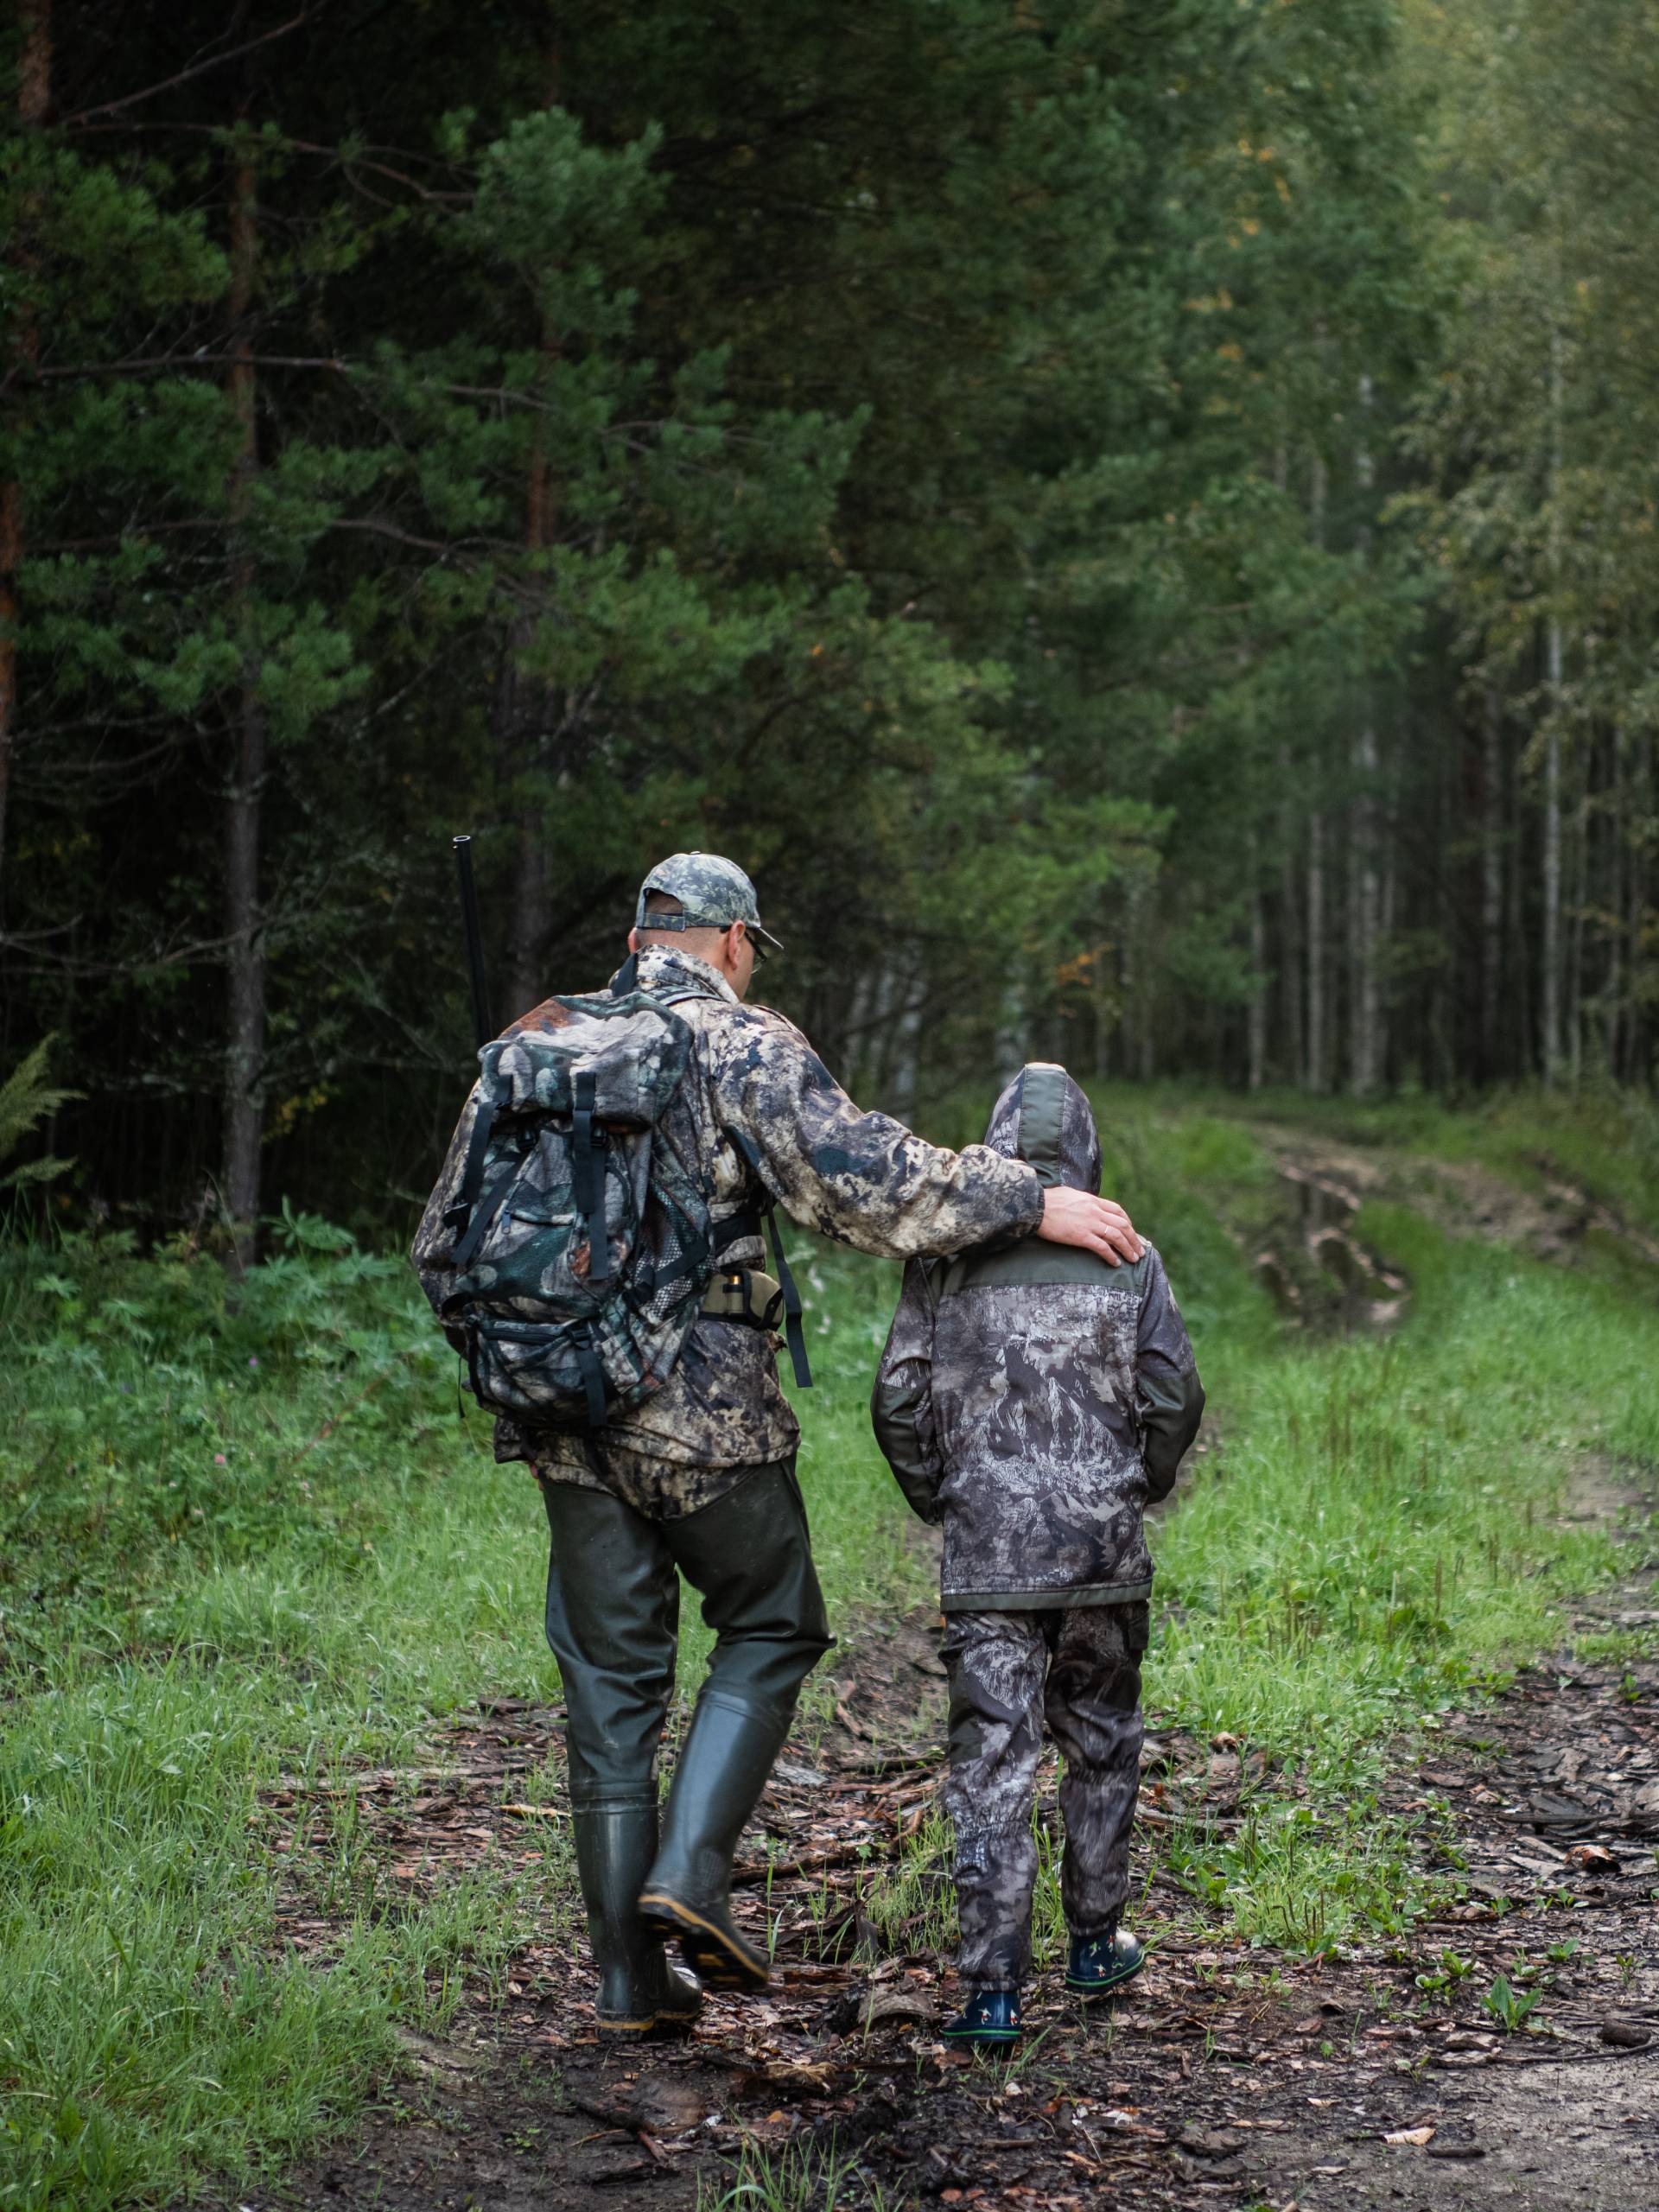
(861, 1178)
(1032, 1399)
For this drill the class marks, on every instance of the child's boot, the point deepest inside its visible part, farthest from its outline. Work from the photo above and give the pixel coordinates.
(1097, 1965)
(990, 2020)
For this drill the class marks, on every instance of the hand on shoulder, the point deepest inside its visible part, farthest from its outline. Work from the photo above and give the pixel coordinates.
(1098, 1224)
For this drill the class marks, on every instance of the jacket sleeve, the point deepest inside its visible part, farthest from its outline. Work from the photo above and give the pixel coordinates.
(863, 1179)
(1169, 1396)
(901, 1404)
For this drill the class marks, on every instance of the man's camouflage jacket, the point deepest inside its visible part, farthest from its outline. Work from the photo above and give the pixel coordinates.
(861, 1178)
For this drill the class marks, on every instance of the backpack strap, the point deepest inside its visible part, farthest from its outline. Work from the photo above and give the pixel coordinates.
(593, 1377)
(794, 1335)
(587, 1175)
(478, 1228)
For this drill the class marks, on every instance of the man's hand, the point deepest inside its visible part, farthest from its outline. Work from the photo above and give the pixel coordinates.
(1079, 1218)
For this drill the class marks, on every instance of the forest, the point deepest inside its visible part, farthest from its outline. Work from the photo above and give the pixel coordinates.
(1135, 524)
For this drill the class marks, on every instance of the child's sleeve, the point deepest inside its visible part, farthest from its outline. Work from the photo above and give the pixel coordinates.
(1169, 1396)
(901, 1404)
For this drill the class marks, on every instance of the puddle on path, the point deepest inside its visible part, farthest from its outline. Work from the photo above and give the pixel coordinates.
(1315, 1268)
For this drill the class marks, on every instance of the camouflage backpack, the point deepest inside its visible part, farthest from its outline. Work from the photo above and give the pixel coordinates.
(572, 1258)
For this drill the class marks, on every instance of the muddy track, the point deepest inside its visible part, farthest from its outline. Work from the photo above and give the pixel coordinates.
(1552, 1220)
(1376, 2077)
(1228, 2077)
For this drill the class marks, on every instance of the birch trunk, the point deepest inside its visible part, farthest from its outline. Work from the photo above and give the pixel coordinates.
(1364, 998)
(33, 102)
(244, 947)
(1314, 1077)
(907, 1041)
(1290, 932)
(1491, 880)
(1612, 996)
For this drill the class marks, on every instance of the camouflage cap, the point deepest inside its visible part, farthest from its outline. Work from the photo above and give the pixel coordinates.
(713, 893)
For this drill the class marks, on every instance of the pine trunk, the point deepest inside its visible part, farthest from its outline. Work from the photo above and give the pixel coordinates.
(532, 707)
(1550, 1020)
(33, 102)
(1573, 1012)
(1256, 1074)
(1314, 1079)
(1550, 1009)
(245, 946)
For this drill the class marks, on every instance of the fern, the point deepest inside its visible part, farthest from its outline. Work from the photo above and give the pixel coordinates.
(26, 1100)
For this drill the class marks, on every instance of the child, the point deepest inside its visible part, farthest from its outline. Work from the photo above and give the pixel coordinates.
(1030, 1398)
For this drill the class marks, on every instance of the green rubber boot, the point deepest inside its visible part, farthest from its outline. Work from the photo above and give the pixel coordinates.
(639, 1992)
(727, 1755)
(1099, 1965)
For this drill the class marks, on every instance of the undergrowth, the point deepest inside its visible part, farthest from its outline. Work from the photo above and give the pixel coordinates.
(250, 1538)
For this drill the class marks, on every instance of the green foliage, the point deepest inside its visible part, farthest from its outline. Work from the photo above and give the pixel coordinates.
(889, 459)
(245, 1539)
(27, 1099)
(796, 2178)
(1508, 2007)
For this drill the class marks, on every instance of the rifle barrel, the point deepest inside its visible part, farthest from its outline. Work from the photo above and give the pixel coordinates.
(482, 1030)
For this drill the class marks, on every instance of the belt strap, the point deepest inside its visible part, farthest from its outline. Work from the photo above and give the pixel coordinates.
(744, 1294)
(794, 1335)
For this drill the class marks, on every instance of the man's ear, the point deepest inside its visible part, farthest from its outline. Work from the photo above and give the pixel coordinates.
(633, 940)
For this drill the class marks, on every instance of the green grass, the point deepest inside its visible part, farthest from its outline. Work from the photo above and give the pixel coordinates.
(239, 1544)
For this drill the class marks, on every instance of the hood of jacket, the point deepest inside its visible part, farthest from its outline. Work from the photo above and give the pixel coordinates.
(1044, 1119)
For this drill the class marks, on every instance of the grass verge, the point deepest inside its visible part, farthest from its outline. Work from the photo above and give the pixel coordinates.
(241, 1543)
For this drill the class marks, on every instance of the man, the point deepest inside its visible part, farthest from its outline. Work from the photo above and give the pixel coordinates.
(700, 1477)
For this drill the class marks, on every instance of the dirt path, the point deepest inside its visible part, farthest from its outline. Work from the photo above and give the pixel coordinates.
(1230, 2077)
(1552, 1219)
(1378, 2077)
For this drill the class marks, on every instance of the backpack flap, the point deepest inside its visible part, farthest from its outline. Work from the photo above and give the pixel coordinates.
(581, 1242)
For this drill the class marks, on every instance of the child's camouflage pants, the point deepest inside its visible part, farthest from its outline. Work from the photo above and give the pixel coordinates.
(1080, 1671)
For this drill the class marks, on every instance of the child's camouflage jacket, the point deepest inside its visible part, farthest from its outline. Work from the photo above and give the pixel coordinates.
(1032, 1398)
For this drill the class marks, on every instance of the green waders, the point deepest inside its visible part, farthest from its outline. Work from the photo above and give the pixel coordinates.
(613, 1614)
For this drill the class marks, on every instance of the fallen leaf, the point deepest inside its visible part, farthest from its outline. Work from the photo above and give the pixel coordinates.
(1410, 2135)
(1201, 2144)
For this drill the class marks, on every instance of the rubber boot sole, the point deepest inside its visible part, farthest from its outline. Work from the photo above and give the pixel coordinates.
(658, 2024)
(981, 2038)
(1109, 1987)
(718, 1962)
